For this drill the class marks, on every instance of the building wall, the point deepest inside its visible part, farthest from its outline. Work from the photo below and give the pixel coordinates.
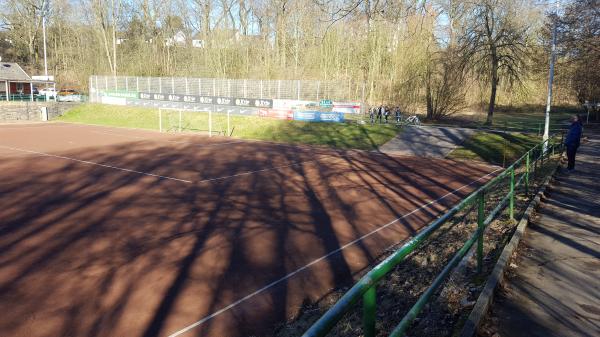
(16, 88)
(30, 111)
(21, 88)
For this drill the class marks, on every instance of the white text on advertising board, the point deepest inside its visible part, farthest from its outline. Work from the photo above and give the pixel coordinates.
(205, 100)
(223, 101)
(263, 103)
(189, 99)
(242, 102)
(330, 117)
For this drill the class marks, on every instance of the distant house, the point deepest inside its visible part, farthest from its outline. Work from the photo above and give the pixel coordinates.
(177, 39)
(219, 37)
(198, 41)
(15, 81)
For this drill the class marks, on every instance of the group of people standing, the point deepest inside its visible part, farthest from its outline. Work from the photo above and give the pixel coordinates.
(382, 113)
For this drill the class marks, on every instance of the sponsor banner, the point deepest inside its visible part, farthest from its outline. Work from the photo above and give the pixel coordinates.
(224, 101)
(243, 102)
(205, 99)
(218, 109)
(145, 95)
(318, 116)
(351, 108)
(326, 103)
(190, 99)
(323, 105)
(276, 113)
(335, 117)
(292, 104)
(263, 103)
(175, 98)
(120, 93)
(307, 116)
(215, 100)
(113, 100)
(153, 96)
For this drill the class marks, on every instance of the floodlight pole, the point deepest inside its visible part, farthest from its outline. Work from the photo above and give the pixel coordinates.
(44, 34)
(550, 80)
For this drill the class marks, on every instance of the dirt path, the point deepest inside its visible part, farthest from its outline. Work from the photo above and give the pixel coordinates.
(426, 141)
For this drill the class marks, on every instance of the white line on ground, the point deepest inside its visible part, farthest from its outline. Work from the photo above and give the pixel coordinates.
(257, 171)
(22, 126)
(247, 297)
(166, 140)
(93, 163)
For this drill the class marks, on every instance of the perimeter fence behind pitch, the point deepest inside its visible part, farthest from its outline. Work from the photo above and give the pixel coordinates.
(243, 88)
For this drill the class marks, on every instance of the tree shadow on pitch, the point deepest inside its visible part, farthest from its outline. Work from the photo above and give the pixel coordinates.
(127, 253)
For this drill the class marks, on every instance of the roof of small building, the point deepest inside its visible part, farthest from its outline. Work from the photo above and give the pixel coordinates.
(12, 72)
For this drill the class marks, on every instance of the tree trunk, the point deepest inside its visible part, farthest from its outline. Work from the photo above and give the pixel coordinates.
(206, 22)
(243, 15)
(428, 94)
(492, 103)
(281, 34)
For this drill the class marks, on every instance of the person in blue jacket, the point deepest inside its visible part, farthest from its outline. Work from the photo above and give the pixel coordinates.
(572, 141)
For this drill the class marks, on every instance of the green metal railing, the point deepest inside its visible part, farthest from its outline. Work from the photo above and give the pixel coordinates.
(36, 98)
(366, 288)
(23, 97)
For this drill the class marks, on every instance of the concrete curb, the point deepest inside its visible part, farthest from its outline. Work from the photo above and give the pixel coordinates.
(497, 276)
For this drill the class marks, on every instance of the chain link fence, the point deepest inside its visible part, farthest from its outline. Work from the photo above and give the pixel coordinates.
(242, 88)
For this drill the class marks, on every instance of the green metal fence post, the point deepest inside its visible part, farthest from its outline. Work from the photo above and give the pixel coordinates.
(527, 173)
(535, 162)
(511, 207)
(480, 224)
(369, 310)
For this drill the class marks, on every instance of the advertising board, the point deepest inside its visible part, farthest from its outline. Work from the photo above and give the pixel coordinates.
(318, 116)
(216, 100)
(120, 93)
(347, 108)
(114, 100)
(276, 113)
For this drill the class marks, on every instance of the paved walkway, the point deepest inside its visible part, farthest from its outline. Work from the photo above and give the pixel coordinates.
(554, 290)
(426, 141)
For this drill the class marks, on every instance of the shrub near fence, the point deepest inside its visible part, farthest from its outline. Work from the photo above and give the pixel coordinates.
(515, 176)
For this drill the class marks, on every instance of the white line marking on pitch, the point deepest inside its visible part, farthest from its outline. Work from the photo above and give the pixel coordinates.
(93, 163)
(224, 177)
(165, 140)
(245, 298)
(257, 171)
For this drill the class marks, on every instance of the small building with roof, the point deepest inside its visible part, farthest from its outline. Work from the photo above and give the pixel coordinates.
(16, 84)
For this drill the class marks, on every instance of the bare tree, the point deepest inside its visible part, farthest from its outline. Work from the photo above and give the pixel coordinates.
(579, 45)
(105, 16)
(445, 83)
(24, 20)
(384, 43)
(496, 45)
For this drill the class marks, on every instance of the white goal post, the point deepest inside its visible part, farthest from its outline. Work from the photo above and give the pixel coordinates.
(181, 119)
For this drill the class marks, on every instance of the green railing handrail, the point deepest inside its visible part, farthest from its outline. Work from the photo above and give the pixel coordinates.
(366, 286)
